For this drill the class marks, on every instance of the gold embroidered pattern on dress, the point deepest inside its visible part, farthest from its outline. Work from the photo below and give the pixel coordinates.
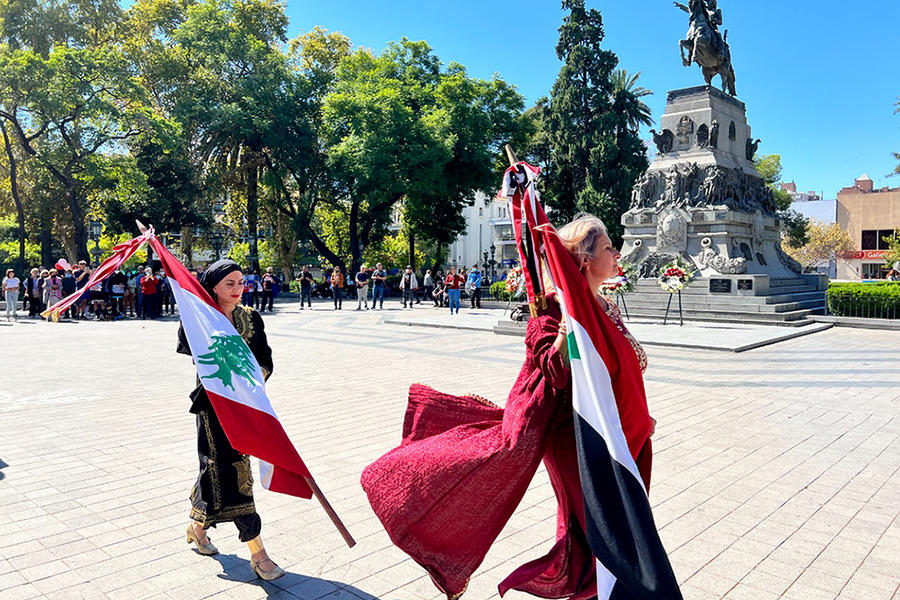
(243, 322)
(211, 463)
(244, 476)
(612, 311)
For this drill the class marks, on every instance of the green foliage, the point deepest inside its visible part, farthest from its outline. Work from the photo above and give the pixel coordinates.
(872, 300)
(268, 256)
(892, 258)
(590, 138)
(793, 224)
(391, 251)
(498, 290)
(9, 255)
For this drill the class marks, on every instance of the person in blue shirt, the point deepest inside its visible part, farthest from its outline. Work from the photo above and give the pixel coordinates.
(473, 284)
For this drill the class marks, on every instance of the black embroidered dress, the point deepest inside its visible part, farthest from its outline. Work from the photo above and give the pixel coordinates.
(224, 488)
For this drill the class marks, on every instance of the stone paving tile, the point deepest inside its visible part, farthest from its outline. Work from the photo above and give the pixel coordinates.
(775, 474)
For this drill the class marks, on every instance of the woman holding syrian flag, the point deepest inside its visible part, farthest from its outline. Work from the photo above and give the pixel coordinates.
(447, 491)
(224, 488)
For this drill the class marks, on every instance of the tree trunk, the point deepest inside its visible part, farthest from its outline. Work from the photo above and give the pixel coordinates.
(355, 252)
(253, 207)
(187, 246)
(76, 213)
(46, 235)
(14, 189)
(411, 238)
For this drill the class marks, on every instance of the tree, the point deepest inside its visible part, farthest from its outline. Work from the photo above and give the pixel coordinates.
(892, 258)
(824, 242)
(591, 121)
(70, 99)
(794, 226)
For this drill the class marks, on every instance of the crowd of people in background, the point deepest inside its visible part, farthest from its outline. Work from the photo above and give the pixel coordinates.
(144, 293)
(137, 293)
(371, 284)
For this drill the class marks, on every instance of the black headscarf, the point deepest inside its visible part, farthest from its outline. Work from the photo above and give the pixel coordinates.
(216, 272)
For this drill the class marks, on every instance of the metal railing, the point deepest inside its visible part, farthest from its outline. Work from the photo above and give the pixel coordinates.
(864, 307)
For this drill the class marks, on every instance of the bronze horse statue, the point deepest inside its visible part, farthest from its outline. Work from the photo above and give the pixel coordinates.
(705, 46)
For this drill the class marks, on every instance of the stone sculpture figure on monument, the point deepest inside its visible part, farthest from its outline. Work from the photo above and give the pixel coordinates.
(714, 134)
(664, 141)
(751, 148)
(704, 45)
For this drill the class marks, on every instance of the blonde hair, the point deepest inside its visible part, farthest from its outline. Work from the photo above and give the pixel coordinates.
(582, 236)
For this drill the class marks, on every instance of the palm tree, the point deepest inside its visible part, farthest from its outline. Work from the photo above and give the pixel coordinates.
(626, 101)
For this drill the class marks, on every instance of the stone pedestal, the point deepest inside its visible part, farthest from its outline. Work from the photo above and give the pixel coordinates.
(703, 201)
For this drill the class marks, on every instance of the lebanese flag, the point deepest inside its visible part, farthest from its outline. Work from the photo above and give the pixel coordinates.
(234, 382)
(612, 425)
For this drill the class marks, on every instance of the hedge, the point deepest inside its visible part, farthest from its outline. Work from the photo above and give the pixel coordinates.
(877, 300)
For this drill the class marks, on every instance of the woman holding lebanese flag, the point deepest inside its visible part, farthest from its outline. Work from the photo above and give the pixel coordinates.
(224, 488)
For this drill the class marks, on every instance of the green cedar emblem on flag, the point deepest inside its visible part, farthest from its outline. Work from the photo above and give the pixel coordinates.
(232, 357)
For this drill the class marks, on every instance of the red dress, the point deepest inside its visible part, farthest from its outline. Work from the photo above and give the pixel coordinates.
(464, 464)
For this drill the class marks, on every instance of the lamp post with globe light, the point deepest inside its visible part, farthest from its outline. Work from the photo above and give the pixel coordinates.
(96, 228)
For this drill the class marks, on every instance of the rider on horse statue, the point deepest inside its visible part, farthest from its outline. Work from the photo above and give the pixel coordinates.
(704, 45)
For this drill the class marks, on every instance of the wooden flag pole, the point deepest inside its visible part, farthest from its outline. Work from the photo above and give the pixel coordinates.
(510, 155)
(330, 511)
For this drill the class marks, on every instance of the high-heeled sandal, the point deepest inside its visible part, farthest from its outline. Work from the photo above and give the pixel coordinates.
(268, 576)
(208, 549)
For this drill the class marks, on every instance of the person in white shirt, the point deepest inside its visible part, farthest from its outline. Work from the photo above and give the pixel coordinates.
(11, 286)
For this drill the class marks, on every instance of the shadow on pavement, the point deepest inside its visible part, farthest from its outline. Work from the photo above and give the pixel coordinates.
(235, 568)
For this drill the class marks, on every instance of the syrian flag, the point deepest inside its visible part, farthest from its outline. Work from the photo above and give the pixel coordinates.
(612, 426)
(234, 383)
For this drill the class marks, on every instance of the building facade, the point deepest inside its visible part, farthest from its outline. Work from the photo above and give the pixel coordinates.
(488, 235)
(868, 215)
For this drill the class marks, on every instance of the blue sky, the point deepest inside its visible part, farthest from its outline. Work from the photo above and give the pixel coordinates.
(819, 82)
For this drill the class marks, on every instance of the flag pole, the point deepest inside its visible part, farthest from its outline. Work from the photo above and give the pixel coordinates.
(335, 519)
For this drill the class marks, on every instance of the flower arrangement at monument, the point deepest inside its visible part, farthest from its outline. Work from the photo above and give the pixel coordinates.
(675, 276)
(515, 282)
(622, 282)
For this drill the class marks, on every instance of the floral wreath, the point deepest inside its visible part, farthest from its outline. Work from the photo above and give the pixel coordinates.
(675, 276)
(515, 282)
(622, 282)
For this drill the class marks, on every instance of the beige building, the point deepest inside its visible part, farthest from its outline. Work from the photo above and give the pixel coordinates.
(868, 215)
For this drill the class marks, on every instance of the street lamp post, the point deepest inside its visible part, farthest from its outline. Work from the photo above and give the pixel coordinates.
(216, 240)
(96, 230)
(493, 262)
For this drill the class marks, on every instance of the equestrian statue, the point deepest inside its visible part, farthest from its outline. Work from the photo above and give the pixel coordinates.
(704, 45)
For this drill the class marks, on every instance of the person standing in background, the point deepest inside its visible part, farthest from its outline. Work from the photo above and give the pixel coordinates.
(11, 286)
(306, 280)
(379, 277)
(148, 287)
(68, 288)
(337, 287)
(268, 289)
(362, 288)
(452, 285)
(473, 283)
(408, 285)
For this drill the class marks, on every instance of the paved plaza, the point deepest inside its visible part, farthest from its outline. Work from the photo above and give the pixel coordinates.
(775, 469)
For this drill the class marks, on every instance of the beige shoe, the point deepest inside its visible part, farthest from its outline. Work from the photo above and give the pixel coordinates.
(268, 576)
(207, 550)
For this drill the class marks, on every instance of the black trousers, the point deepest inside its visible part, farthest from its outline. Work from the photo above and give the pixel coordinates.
(224, 488)
(267, 296)
(475, 298)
